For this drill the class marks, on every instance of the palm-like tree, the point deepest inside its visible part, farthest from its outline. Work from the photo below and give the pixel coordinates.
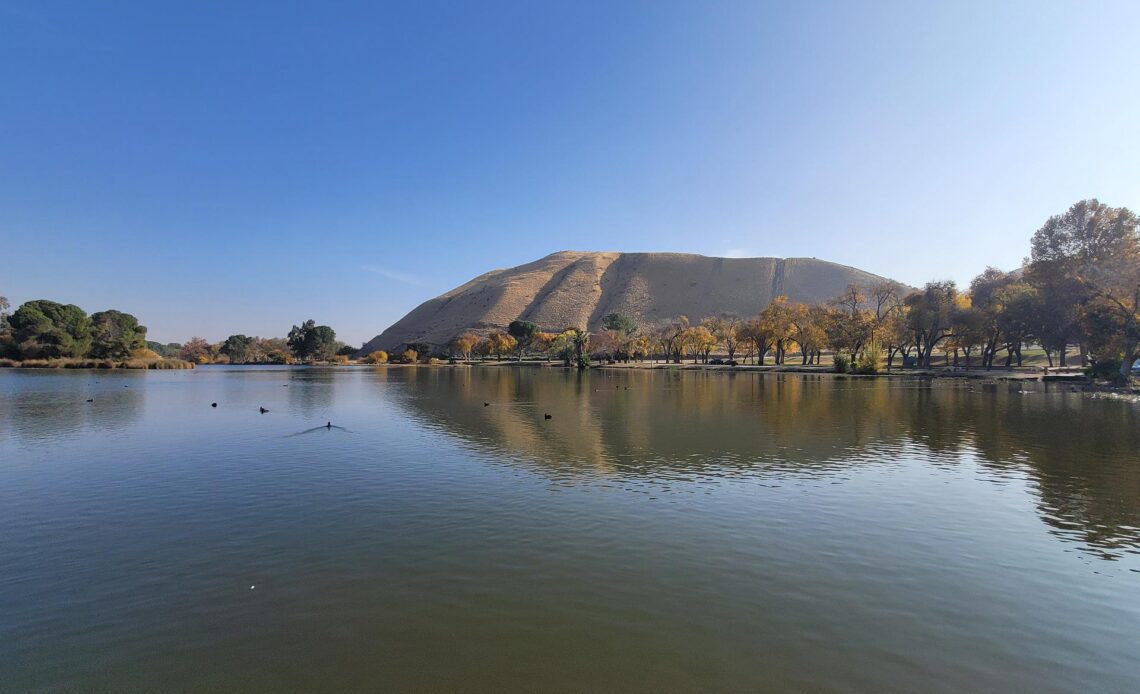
(581, 341)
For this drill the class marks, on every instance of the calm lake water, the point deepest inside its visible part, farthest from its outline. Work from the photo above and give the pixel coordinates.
(662, 532)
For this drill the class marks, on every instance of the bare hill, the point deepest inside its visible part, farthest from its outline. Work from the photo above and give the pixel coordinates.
(575, 288)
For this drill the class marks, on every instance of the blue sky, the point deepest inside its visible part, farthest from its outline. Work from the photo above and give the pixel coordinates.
(244, 166)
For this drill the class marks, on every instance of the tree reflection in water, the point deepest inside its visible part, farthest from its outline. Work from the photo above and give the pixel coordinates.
(1077, 452)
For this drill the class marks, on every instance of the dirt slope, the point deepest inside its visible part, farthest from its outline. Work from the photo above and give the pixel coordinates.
(576, 288)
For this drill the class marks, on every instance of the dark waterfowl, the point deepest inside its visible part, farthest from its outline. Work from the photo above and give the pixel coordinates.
(548, 416)
(262, 410)
(213, 404)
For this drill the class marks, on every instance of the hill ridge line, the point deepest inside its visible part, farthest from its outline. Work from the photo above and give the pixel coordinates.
(578, 288)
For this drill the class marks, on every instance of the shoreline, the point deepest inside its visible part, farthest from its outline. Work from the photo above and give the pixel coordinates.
(1071, 378)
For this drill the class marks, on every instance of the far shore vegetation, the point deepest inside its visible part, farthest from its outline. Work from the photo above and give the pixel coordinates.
(1074, 306)
(47, 334)
(1076, 299)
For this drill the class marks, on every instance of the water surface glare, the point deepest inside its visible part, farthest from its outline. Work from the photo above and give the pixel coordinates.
(662, 531)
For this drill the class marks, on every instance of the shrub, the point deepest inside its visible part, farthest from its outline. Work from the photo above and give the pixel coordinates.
(870, 360)
(144, 353)
(842, 364)
(377, 357)
(1104, 369)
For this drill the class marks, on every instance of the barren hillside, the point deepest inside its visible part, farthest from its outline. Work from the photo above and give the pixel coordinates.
(575, 288)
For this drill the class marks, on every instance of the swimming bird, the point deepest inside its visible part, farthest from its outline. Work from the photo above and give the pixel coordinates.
(547, 416)
(486, 404)
(90, 399)
(329, 425)
(213, 404)
(263, 410)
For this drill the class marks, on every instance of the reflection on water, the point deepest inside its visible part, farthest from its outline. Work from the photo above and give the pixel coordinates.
(46, 405)
(1079, 452)
(310, 391)
(518, 529)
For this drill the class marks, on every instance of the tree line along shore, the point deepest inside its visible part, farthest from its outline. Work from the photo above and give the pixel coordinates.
(48, 334)
(1077, 298)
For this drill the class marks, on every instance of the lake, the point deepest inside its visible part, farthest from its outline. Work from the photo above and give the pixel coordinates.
(662, 531)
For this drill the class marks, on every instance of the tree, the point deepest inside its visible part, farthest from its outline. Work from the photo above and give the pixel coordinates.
(422, 349)
(1098, 248)
(581, 341)
(640, 347)
(985, 296)
(930, 316)
(726, 330)
(462, 345)
(563, 348)
(523, 331)
(482, 348)
(47, 329)
(851, 325)
(809, 330)
(1019, 306)
(776, 321)
(1109, 334)
(852, 299)
(500, 343)
(756, 337)
(544, 343)
(312, 342)
(607, 344)
(969, 330)
(114, 335)
(621, 335)
(620, 323)
(1058, 320)
(196, 350)
(699, 342)
(7, 342)
(274, 350)
(885, 299)
(671, 337)
(895, 333)
(239, 348)
(170, 350)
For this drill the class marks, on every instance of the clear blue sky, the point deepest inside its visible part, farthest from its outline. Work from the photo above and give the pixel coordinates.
(245, 166)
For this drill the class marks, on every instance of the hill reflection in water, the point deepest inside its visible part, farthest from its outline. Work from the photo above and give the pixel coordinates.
(1077, 453)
